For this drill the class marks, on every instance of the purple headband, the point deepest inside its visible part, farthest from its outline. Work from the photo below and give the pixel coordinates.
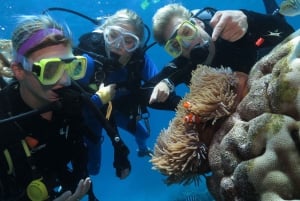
(36, 39)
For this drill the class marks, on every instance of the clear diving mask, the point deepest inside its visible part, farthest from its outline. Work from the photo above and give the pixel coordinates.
(118, 37)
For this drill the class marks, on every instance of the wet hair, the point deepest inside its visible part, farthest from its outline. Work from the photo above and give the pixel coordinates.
(164, 16)
(126, 16)
(46, 31)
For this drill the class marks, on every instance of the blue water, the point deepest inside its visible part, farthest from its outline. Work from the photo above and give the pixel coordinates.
(143, 184)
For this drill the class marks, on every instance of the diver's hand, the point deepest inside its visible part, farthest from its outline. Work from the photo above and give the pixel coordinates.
(121, 162)
(106, 93)
(160, 93)
(230, 25)
(81, 190)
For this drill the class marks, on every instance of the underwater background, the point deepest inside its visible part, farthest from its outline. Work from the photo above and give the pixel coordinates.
(143, 184)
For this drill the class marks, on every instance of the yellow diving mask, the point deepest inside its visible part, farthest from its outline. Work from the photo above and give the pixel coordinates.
(50, 70)
(183, 36)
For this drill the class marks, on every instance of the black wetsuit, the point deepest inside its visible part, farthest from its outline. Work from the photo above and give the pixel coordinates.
(59, 144)
(239, 56)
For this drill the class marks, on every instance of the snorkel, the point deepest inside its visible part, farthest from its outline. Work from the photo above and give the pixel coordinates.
(199, 53)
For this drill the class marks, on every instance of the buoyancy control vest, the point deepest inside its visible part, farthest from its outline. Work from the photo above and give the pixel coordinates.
(34, 152)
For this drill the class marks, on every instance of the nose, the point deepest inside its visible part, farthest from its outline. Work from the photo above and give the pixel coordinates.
(186, 43)
(117, 43)
(65, 80)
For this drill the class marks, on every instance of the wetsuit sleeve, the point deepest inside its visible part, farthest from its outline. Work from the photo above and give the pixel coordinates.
(177, 71)
(170, 104)
(271, 28)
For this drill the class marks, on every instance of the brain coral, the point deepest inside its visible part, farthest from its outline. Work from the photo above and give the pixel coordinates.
(259, 157)
(274, 82)
(256, 160)
(251, 138)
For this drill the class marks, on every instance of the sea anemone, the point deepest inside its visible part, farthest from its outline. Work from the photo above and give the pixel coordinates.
(181, 151)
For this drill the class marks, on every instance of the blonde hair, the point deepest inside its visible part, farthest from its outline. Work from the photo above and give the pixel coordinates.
(126, 16)
(164, 16)
(28, 25)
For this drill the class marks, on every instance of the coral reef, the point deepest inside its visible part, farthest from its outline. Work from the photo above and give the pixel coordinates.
(250, 130)
(255, 155)
(256, 160)
(5, 57)
(274, 82)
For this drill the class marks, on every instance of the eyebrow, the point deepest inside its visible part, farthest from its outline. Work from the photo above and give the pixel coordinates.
(173, 35)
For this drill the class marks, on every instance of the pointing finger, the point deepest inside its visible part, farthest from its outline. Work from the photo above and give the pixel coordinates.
(218, 29)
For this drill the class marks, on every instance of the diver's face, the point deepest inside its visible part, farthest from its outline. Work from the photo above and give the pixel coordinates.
(182, 36)
(122, 40)
(29, 81)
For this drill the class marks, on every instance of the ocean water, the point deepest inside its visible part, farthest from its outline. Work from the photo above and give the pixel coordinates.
(143, 184)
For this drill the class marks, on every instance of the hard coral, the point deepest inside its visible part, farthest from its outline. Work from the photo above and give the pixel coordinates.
(5, 57)
(260, 159)
(274, 82)
(255, 155)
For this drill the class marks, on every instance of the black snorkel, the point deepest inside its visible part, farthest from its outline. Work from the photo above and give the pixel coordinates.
(97, 21)
(199, 53)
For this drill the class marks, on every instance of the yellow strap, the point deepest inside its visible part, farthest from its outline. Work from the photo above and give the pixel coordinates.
(108, 111)
(9, 161)
(25, 147)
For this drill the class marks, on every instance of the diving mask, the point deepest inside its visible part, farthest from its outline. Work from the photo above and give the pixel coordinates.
(118, 37)
(183, 36)
(50, 70)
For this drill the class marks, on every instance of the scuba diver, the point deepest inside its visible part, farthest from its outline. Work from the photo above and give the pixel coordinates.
(43, 154)
(117, 67)
(233, 38)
